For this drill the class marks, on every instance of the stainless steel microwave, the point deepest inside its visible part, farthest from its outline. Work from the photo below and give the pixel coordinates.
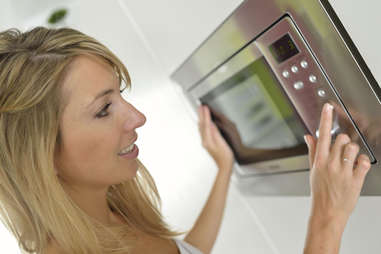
(265, 73)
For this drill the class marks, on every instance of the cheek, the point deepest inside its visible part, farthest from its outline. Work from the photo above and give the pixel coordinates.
(88, 153)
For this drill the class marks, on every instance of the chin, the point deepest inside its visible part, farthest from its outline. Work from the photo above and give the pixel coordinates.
(131, 170)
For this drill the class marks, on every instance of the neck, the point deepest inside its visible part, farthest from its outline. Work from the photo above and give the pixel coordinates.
(94, 203)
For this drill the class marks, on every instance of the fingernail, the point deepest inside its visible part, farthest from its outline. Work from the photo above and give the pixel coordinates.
(328, 107)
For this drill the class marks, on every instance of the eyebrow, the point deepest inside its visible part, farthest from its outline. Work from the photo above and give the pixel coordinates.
(104, 93)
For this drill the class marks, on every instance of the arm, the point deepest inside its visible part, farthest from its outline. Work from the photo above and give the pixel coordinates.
(205, 230)
(336, 178)
(324, 235)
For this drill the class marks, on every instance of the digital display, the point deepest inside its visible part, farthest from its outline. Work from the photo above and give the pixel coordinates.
(283, 49)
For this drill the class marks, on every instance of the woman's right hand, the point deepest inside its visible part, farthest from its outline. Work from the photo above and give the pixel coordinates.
(337, 174)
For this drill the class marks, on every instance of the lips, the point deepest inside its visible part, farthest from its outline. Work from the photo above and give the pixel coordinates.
(127, 150)
(131, 144)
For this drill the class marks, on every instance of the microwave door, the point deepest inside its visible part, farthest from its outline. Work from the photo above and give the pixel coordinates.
(253, 114)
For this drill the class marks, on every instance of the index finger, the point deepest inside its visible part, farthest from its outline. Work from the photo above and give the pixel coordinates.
(325, 127)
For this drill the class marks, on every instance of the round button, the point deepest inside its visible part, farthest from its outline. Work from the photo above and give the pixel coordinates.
(286, 74)
(304, 64)
(294, 69)
(298, 85)
(312, 78)
(321, 93)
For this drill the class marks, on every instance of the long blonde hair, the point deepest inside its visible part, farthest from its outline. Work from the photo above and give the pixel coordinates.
(33, 204)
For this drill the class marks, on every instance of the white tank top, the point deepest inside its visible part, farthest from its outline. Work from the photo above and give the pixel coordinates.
(186, 248)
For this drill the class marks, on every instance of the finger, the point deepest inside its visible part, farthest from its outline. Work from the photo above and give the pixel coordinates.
(201, 121)
(200, 114)
(349, 156)
(311, 143)
(324, 140)
(216, 134)
(362, 168)
(207, 124)
(214, 131)
(338, 148)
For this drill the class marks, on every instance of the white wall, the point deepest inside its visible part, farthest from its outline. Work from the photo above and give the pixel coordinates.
(362, 21)
(173, 29)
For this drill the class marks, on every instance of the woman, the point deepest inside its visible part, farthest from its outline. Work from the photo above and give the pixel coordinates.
(70, 180)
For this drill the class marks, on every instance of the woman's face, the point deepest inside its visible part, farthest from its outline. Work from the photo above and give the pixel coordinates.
(96, 125)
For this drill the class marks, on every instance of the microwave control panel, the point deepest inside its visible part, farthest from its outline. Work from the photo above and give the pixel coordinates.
(304, 81)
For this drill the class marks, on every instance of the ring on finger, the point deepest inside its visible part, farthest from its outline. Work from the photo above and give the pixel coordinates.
(346, 160)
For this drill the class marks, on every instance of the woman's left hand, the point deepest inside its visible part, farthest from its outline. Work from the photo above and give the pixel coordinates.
(213, 141)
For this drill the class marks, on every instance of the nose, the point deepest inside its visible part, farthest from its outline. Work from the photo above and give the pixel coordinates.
(134, 118)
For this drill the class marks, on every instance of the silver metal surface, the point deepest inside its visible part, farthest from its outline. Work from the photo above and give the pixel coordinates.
(357, 93)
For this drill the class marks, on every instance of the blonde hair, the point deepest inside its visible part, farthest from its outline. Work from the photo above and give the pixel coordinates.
(33, 203)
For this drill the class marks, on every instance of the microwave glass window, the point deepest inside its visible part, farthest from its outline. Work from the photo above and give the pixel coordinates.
(255, 116)
(283, 49)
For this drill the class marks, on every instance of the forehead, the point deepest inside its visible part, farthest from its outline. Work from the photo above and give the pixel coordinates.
(86, 77)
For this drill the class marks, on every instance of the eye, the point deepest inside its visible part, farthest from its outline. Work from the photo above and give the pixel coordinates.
(103, 112)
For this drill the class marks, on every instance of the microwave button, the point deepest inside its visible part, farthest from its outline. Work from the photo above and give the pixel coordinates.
(286, 74)
(298, 85)
(321, 93)
(304, 64)
(294, 69)
(312, 78)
